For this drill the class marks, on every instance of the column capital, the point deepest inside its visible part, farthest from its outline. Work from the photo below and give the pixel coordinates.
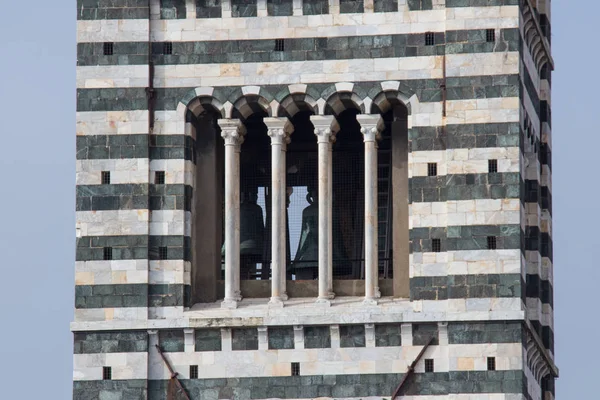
(326, 127)
(370, 126)
(233, 131)
(279, 129)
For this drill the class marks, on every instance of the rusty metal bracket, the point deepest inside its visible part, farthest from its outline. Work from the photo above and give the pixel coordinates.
(174, 375)
(411, 369)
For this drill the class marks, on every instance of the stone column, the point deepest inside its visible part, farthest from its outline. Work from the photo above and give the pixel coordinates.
(371, 125)
(326, 128)
(279, 129)
(233, 133)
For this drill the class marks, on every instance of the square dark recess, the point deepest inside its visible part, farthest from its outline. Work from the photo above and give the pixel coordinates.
(162, 253)
(429, 39)
(295, 369)
(431, 169)
(279, 45)
(193, 372)
(436, 245)
(107, 253)
(492, 166)
(105, 177)
(428, 365)
(159, 177)
(491, 363)
(490, 35)
(168, 48)
(491, 242)
(106, 373)
(108, 48)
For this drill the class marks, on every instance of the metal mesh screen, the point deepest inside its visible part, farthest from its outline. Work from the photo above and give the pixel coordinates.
(302, 173)
(384, 203)
(348, 199)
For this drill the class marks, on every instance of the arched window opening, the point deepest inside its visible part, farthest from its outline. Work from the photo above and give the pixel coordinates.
(348, 199)
(302, 199)
(393, 232)
(255, 205)
(207, 209)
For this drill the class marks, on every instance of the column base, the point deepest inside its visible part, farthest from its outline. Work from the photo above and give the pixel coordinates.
(284, 296)
(276, 302)
(377, 293)
(238, 295)
(323, 301)
(331, 295)
(368, 301)
(229, 304)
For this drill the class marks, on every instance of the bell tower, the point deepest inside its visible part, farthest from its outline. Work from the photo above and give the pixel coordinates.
(299, 199)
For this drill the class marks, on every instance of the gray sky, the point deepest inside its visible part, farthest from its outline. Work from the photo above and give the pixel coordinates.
(37, 167)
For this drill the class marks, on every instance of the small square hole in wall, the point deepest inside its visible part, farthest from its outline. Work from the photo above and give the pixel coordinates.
(168, 48)
(159, 177)
(279, 45)
(107, 253)
(436, 245)
(428, 365)
(193, 372)
(106, 373)
(492, 166)
(431, 169)
(295, 369)
(162, 253)
(105, 177)
(491, 242)
(491, 363)
(108, 48)
(429, 39)
(490, 35)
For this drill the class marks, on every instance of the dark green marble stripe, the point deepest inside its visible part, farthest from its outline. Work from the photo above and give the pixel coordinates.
(112, 9)
(345, 386)
(466, 287)
(505, 185)
(131, 295)
(471, 237)
(299, 49)
(485, 332)
(132, 196)
(164, 147)
(427, 90)
(110, 342)
(133, 247)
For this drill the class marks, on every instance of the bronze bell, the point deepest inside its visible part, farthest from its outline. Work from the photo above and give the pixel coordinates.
(306, 263)
(252, 226)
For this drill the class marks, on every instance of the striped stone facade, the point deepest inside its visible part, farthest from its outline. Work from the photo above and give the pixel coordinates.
(148, 71)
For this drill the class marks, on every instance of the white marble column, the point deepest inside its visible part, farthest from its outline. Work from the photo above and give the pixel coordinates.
(233, 133)
(279, 129)
(326, 128)
(371, 125)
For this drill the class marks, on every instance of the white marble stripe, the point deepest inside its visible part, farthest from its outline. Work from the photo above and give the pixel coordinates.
(127, 170)
(298, 26)
(463, 161)
(465, 213)
(303, 311)
(465, 263)
(240, 364)
(133, 222)
(123, 366)
(311, 71)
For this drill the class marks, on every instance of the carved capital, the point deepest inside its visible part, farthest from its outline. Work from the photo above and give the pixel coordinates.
(279, 129)
(232, 131)
(371, 125)
(326, 127)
